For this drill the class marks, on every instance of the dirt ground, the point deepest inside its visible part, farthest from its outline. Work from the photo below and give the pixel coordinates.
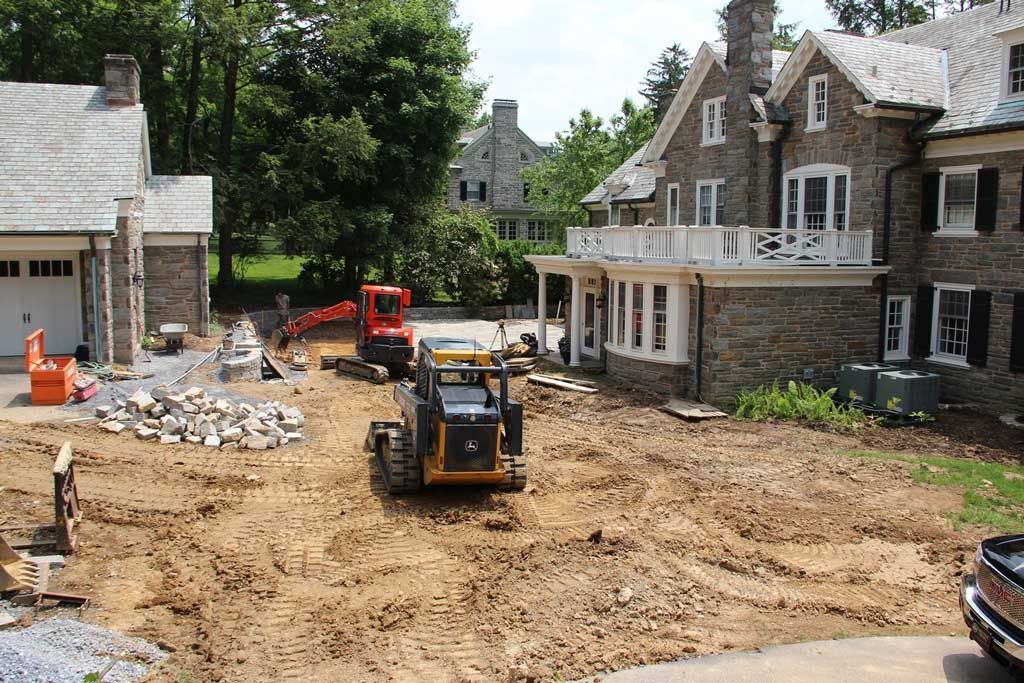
(293, 564)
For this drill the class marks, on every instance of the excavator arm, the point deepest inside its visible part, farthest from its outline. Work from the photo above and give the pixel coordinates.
(344, 309)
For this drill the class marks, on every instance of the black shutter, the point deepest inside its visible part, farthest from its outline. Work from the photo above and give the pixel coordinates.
(462, 190)
(930, 201)
(923, 320)
(1017, 334)
(483, 191)
(1021, 226)
(977, 330)
(988, 199)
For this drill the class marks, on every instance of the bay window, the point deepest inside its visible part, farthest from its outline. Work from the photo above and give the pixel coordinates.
(817, 197)
(620, 315)
(660, 318)
(638, 316)
(649, 320)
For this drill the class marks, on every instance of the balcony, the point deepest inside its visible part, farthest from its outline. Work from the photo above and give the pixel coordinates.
(721, 246)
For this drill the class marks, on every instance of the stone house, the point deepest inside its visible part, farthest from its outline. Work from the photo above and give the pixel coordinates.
(94, 248)
(858, 199)
(486, 175)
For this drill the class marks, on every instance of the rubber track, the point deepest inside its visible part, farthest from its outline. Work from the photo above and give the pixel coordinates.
(402, 474)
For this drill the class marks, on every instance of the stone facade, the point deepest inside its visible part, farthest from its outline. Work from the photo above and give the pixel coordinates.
(127, 277)
(658, 378)
(631, 214)
(177, 287)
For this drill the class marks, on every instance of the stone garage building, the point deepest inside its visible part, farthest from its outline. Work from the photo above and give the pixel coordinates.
(94, 248)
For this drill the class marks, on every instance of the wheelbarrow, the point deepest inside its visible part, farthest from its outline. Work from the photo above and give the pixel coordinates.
(174, 336)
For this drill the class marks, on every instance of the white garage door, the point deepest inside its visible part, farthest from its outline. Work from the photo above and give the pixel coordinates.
(39, 290)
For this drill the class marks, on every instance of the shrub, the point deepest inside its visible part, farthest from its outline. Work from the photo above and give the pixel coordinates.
(799, 402)
(517, 278)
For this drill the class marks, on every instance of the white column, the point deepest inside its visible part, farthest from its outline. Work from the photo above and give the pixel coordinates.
(542, 314)
(577, 321)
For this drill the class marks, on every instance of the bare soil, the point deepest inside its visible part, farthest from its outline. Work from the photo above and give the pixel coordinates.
(294, 564)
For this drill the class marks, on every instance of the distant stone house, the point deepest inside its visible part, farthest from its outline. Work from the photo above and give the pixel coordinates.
(858, 199)
(487, 175)
(94, 248)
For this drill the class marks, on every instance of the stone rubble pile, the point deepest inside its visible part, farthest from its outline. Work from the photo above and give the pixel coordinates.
(193, 417)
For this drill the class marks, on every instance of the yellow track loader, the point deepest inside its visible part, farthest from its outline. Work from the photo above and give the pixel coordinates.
(455, 429)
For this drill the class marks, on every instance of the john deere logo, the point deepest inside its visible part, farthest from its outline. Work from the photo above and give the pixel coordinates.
(471, 446)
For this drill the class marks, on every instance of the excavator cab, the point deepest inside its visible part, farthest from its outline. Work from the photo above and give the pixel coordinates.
(455, 428)
(381, 336)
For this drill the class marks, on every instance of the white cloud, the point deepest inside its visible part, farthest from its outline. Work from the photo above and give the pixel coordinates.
(556, 58)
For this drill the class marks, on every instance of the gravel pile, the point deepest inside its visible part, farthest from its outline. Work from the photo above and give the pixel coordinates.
(193, 417)
(65, 651)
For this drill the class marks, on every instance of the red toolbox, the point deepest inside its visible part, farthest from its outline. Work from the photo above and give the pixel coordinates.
(52, 379)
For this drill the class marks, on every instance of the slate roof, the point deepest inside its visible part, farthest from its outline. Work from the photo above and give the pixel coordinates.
(639, 181)
(779, 57)
(975, 66)
(65, 157)
(891, 72)
(470, 136)
(179, 204)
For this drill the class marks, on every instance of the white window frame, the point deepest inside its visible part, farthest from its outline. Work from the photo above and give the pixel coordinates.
(945, 358)
(617, 220)
(966, 230)
(715, 184)
(470, 192)
(801, 174)
(903, 352)
(717, 132)
(677, 317)
(812, 122)
(668, 204)
(1010, 39)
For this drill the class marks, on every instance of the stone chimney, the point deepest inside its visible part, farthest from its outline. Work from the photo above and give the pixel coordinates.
(749, 62)
(506, 184)
(121, 77)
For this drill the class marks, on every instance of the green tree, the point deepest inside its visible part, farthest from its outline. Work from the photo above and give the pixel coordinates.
(664, 78)
(957, 6)
(783, 37)
(482, 119)
(873, 17)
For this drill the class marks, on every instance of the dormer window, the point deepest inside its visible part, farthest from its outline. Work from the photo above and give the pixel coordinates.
(817, 102)
(1011, 87)
(714, 121)
(1015, 82)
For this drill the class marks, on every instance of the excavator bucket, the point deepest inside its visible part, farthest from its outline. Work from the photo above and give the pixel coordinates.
(279, 340)
(16, 574)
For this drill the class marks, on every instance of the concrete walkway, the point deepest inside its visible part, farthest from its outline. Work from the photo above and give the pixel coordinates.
(857, 660)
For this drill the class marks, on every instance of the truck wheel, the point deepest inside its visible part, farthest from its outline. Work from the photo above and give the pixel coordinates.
(515, 472)
(398, 463)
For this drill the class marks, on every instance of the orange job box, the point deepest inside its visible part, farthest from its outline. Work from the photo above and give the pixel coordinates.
(52, 379)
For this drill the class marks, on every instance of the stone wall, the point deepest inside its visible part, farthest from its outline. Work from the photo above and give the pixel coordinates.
(126, 261)
(177, 287)
(753, 336)
(658, 378)
(105, 301)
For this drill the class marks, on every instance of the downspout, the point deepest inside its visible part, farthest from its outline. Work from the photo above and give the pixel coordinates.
(883, 296)
(203, 305)
(699, 355)
(97, 343)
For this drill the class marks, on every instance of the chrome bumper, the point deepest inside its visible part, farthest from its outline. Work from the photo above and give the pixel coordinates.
(1006, 642)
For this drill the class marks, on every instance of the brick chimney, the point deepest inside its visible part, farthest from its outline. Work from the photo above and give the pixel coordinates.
(121, 77)
(505, 185)
(749, 62)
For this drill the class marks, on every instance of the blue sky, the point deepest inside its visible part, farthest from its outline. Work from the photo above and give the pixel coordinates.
(558, 56)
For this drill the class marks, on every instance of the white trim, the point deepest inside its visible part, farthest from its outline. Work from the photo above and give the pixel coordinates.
(717, 136)
(1010, 39)
(966, 230)
(43, 242)
(677, 313)
(668, 203)
(618, 208)
(713, 184)
(812, 124)
(595, 350)
(975, 144)
(766, 132)
(702, 63)
(616, 351)
(934, 356)
(173, 239)
(801, 174)
(903, 352)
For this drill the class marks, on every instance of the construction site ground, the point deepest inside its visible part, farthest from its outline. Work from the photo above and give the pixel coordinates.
(294, 564)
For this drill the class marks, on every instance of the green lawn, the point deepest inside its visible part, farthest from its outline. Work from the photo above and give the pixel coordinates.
(263, 278)
(993, 493)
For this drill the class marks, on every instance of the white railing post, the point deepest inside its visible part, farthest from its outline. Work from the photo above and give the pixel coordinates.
(832, 247)
(745, 251)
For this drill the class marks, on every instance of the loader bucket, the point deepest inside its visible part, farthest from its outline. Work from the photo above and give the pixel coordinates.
(279, 339)
(16, 574)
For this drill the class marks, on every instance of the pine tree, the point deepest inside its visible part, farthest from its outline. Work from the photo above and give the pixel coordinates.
(873, 17)
(664, 78)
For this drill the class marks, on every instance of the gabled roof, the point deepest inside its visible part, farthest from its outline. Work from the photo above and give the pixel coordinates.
(884, 72)
(470, 136)
(974, 51)
(179, 204)
(66, 157)
(638, 181)
(707, 55)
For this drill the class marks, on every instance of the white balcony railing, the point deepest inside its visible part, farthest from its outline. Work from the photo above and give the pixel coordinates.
(722, 246)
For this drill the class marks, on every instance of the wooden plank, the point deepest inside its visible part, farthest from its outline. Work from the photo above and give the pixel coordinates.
(573, 380)
(692, 410)
(559, 384)
(273, 363)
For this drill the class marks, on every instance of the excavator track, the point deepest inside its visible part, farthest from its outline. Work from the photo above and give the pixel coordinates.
(351, 365)
(515, 472)
(396, 458)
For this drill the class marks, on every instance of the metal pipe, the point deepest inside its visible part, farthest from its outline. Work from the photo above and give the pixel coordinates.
(203, 304)
(699, 356)
(883, 295)
(95, 300)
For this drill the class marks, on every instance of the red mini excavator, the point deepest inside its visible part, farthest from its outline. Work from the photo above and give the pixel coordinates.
(382, 343)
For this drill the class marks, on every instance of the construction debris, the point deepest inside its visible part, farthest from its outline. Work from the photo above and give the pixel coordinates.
(567, 383)
(692, 410)
(67, 513)
(195, 418)
(16, 573)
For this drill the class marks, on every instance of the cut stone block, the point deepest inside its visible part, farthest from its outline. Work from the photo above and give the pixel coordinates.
(231, 434)
(170, 438)
(193, 439)
(195, 392)
(115, 427)
(158, 410)
(104, 411)
(256, 443)
(212, 440)
(146, 433)
(189, 408)
(294, 436)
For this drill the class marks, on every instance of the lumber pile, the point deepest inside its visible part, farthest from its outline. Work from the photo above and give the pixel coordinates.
(195, 418)
(567, 383)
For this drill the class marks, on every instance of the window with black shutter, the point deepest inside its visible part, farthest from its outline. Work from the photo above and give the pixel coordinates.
(483, 191)
(1017, 334)
(923, 320)
(930, 201)
(977, 334)
(988, 199)
(462, 190)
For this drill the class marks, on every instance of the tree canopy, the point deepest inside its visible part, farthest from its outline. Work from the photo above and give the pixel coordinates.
(872, 17)
(664, 78)
(784, 36)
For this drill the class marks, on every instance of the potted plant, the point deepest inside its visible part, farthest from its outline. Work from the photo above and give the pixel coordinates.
(564, 348)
